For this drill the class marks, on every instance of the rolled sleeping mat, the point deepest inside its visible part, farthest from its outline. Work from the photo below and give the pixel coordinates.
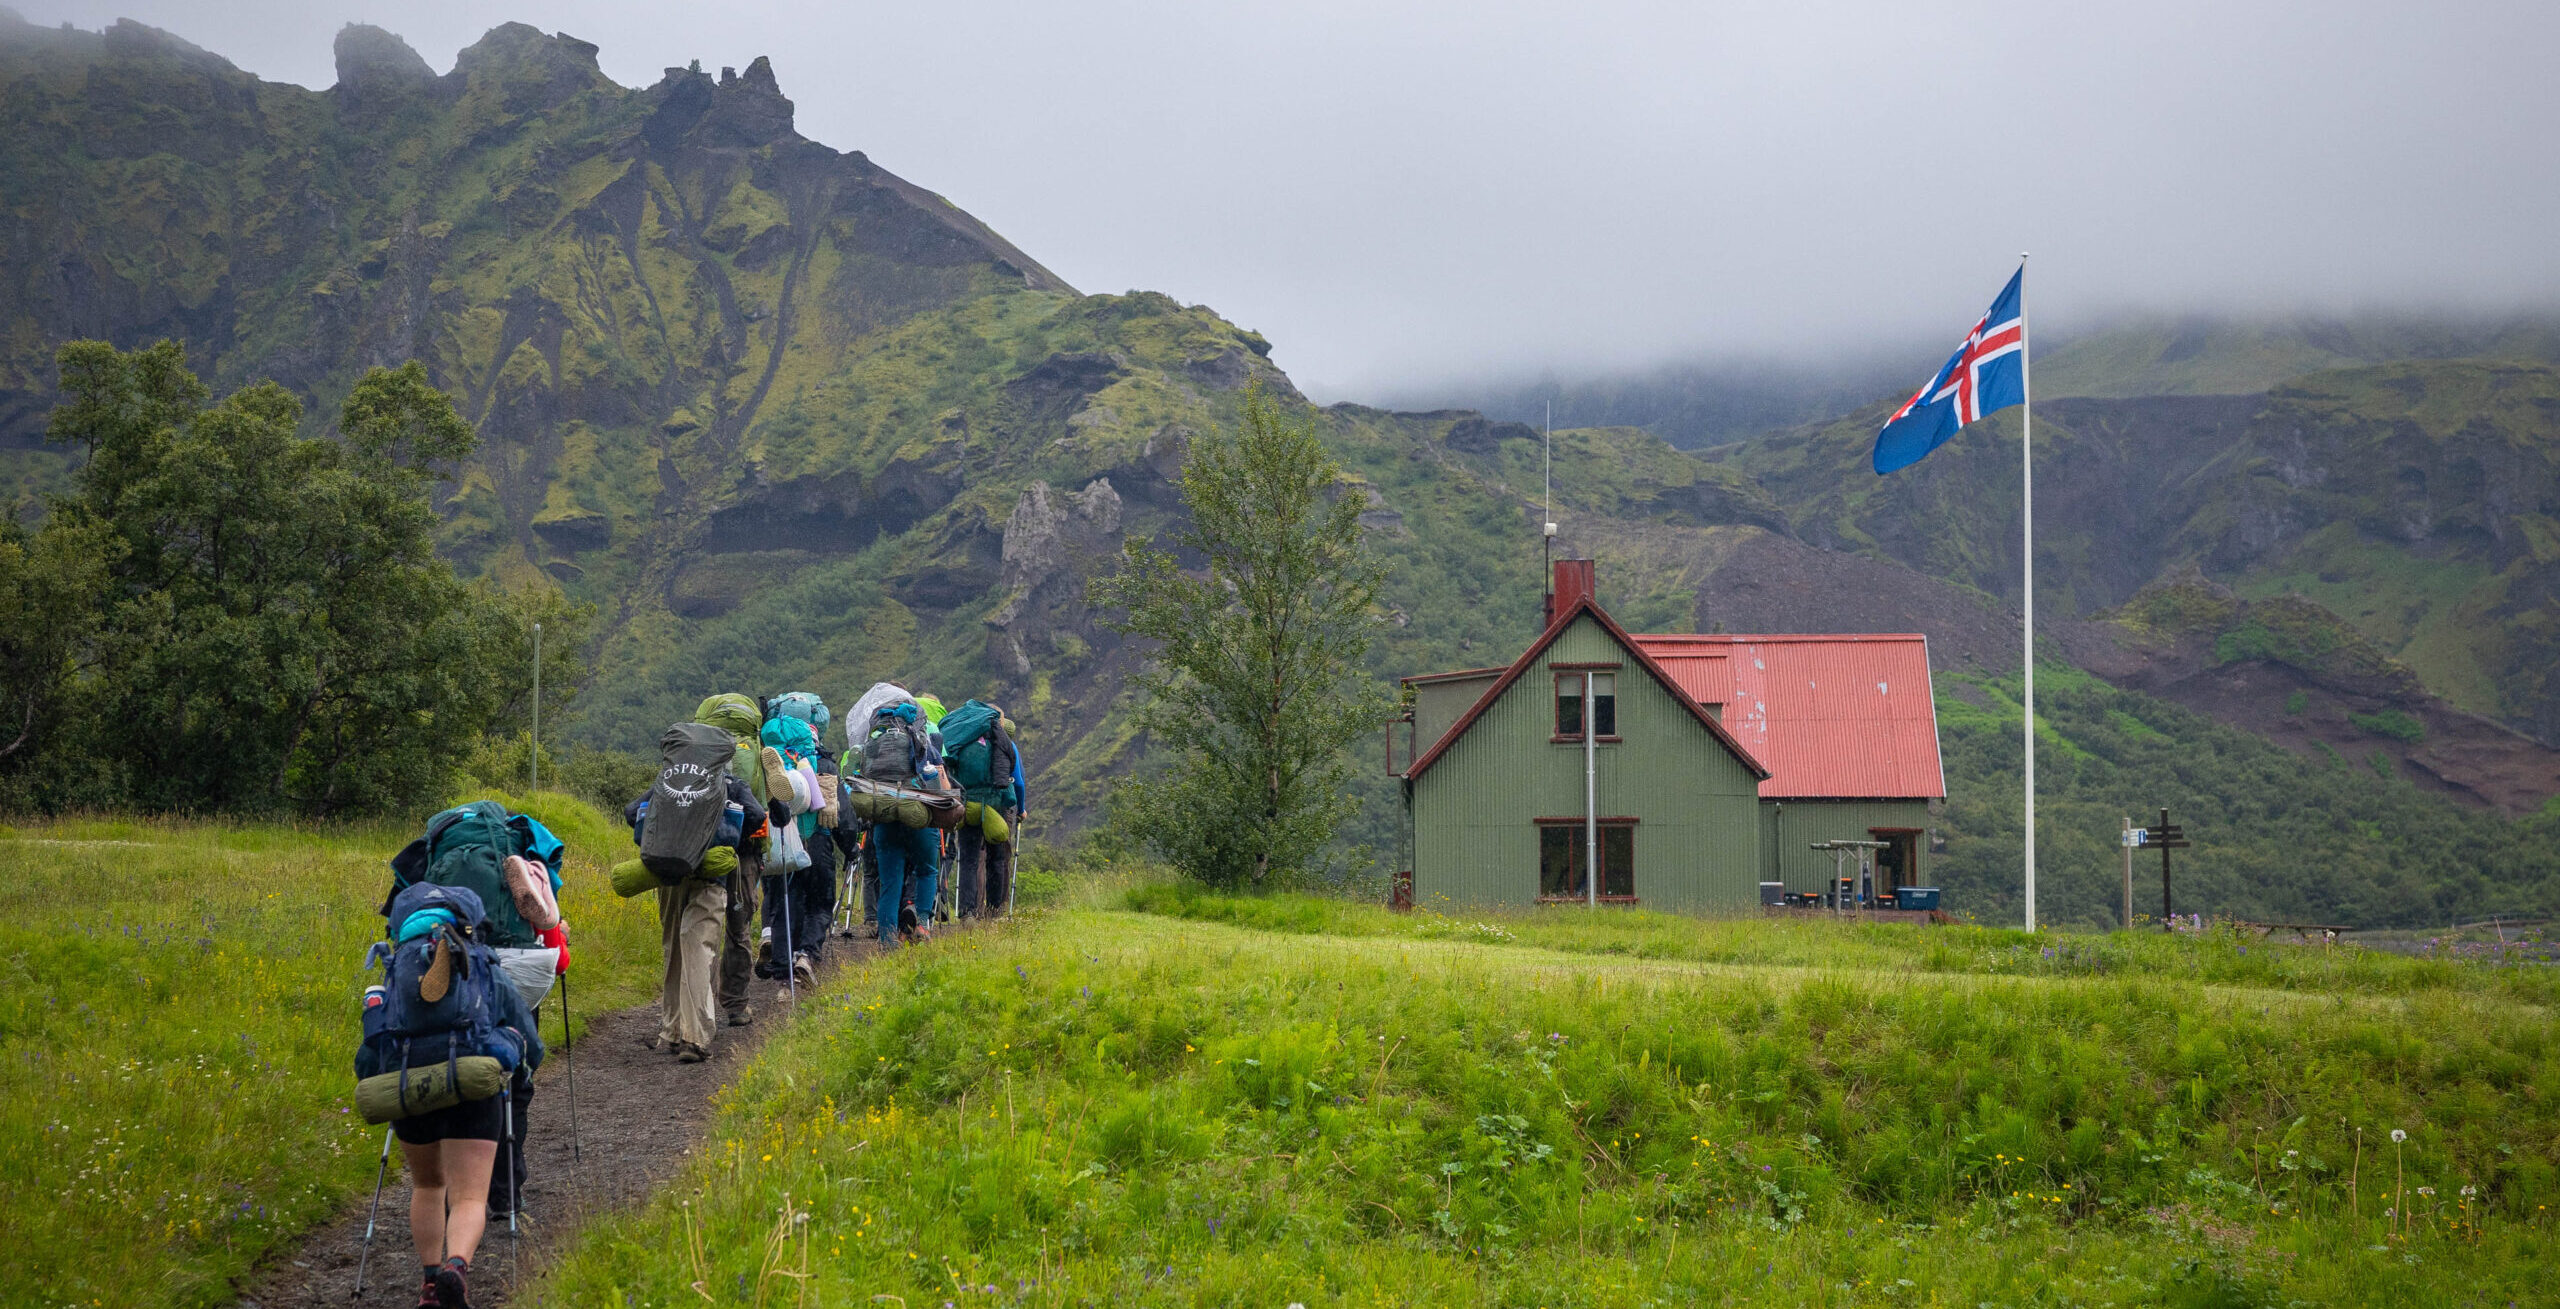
(384, 1097)
(632, 877)
(718, 862)
(879, 802)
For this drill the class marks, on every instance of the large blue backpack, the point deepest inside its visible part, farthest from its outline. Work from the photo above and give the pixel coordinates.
(439, 988)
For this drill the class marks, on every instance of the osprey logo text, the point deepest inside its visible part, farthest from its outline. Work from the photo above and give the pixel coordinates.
(686, 783)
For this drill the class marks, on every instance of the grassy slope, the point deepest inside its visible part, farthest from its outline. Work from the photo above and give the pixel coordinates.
(178, 1009)
(1112, 1108)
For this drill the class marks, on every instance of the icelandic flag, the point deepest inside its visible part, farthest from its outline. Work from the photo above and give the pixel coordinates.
(1987, 373)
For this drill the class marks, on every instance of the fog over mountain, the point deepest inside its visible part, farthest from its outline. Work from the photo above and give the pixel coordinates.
(1400, 196)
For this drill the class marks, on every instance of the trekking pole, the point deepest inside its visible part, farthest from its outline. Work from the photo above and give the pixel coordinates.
(379, 1174)
(790, 957)
(569, 1052)
(515, 1190)
(1013, 875)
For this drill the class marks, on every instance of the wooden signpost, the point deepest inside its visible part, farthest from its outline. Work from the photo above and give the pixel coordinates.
(2165, 835)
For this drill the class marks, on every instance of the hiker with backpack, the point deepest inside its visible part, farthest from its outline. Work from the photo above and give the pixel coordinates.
(738, 716)
(986, 765)
(511, 863)
(898, 754)
(697, 828)
(444, 1033)
(799, 881)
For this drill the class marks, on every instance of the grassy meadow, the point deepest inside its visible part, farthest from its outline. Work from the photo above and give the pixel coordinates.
(178, 1012)
(1272, 1101)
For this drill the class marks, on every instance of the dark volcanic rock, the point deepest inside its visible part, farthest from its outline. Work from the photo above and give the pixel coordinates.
(374, 64)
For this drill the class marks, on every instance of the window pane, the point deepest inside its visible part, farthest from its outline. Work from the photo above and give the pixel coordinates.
(1560, 861)
(1617, 861)
(1569, 706)
(1604, 704)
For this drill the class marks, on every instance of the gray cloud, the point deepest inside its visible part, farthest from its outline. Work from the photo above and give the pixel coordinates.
(1433, 190)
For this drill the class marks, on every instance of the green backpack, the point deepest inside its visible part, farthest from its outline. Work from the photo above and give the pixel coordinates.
(467, 846)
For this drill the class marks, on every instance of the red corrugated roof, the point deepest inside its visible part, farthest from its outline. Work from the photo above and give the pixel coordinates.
(1841, 717)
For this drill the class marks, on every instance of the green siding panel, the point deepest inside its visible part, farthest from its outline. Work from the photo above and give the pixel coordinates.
(1699, 845)
(1794, 826)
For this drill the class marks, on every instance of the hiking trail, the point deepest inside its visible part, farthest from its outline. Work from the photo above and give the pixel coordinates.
(640, 1115)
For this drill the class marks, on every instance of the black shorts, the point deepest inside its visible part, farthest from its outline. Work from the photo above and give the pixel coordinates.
(471, 1120)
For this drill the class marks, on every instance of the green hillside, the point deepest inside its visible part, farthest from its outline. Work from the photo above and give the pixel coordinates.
(2419, 501)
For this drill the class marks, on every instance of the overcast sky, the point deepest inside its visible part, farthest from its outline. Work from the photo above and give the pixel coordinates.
(1405, 194)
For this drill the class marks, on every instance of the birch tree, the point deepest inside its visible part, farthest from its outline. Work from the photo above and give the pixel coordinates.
(1256, 688)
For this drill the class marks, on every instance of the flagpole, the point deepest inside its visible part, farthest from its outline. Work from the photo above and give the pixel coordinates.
(2027, 465)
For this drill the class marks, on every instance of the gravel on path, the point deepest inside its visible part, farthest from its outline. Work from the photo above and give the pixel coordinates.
(640, 1114)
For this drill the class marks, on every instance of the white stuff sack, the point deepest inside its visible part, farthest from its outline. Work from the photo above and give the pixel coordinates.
(787, 849)
(857, 724)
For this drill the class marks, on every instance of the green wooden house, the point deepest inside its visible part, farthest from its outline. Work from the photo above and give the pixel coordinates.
(1694, 771)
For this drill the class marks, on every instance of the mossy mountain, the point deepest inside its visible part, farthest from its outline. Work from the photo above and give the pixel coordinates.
(789, 420)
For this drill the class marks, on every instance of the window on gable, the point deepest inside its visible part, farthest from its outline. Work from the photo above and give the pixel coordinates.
(1562, 856)
(1569, 707)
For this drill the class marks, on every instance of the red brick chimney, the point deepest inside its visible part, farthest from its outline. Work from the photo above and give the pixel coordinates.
(1575, 582)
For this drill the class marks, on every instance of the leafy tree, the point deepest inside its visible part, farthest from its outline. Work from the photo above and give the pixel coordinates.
(271, 625)
(48, 617)
(1256, 688)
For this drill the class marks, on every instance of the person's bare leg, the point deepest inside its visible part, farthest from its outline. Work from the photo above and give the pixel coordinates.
(466, 1171)
(426, 1200)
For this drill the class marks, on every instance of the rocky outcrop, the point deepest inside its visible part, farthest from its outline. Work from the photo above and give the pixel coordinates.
(376, 69)
(1053, 545)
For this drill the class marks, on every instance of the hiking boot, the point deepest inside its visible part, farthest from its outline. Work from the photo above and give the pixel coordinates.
(427, 1297)
(741, 1016)
(689, 1053)
(924, 934)
(803, 971)
(653, 1041)
(777, 774)
(451, 1293)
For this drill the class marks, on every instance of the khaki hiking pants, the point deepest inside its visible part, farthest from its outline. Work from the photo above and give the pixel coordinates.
(741, 924)
(689, 923)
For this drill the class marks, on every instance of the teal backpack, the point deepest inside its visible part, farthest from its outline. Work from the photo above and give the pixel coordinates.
(805, 706)
(980, 755)
(797, 741)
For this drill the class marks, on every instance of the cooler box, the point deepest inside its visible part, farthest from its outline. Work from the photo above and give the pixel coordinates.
(1916, 897)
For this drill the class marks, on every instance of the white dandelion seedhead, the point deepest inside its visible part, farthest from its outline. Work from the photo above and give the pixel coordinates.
(2397, 1136)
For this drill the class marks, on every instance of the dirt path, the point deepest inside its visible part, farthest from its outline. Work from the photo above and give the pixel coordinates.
(639, 1115)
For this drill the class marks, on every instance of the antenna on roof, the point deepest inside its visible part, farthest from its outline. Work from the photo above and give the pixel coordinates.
(1548, 515)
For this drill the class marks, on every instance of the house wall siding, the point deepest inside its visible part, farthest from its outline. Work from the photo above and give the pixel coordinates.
(1437, 706)
(1698, 838)
(1791, 829)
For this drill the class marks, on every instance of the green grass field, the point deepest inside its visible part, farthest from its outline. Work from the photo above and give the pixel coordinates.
(177, 1019)
(1272, 1101)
